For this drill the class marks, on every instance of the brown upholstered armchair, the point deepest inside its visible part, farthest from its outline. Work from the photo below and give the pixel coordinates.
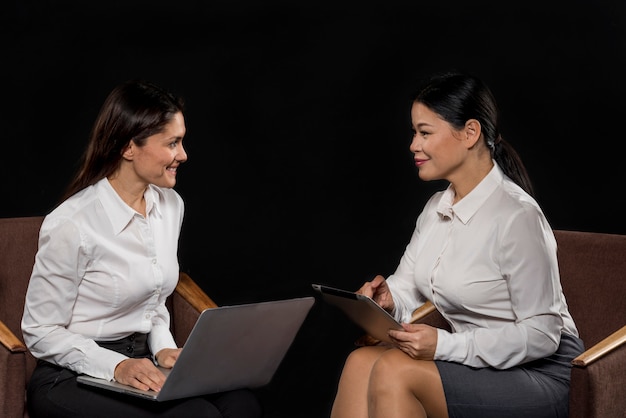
(593, 275)
(18, 245)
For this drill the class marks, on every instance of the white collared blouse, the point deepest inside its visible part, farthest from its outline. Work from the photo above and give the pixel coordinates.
(489, 265)
(102, 272)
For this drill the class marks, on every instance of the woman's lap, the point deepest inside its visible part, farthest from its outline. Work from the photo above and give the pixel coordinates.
(54, 392)
(537, 389)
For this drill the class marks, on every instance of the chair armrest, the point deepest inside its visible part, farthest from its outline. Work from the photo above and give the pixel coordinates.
(185, 305)
(9, 340)
(601, 349)
(12, 374)
(422, 311)
(193, 294)
(597, 388)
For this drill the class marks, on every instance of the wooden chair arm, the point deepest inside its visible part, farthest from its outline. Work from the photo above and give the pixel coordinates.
(601, 349)
(9, 340)
(193, 294)
(422, 311)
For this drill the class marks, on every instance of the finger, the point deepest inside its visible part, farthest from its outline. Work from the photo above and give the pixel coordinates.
(378, 280)
(139, 384)
(407, 349)
(149, 381)
(410, 327)
(399, 335)
(366, 290)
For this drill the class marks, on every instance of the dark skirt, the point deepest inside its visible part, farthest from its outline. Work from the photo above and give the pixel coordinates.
(539, 389)
(54, 392)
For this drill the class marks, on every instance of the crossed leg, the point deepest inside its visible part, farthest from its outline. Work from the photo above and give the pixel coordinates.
(380, 381)
(351, 398)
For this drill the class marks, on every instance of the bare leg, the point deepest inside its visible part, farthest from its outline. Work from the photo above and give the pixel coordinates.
(401, 387)
(351, 398)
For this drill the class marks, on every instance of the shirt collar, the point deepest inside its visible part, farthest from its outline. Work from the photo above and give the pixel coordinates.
(119, 213)
(468, 206)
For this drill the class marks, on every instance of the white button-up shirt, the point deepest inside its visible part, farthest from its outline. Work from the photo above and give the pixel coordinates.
(489, 265)
(101, 273)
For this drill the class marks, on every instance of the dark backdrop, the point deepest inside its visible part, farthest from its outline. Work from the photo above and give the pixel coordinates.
(298, 131)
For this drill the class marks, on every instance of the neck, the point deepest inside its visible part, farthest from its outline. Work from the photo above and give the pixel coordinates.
(468, 181)
(131, 194)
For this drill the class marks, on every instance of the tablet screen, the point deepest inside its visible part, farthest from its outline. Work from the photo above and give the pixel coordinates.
(362, 310)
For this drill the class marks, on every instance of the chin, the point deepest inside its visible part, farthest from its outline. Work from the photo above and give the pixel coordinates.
(165, 184)
(424, 176)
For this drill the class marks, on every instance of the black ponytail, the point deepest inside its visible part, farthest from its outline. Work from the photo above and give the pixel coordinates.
(457, 98)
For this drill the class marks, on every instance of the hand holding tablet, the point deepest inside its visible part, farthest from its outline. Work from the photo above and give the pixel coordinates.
(362, 310)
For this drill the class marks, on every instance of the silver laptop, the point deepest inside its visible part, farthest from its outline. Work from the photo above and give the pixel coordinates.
(229, 347)
(362, 310)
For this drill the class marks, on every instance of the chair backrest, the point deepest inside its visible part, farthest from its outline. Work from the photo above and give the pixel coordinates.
(18, 246)
(593, 275)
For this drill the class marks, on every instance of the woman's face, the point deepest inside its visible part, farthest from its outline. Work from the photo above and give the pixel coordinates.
(156, 162)
(437, 147)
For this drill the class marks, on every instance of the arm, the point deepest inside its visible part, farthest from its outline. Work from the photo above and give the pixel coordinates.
(53, 288)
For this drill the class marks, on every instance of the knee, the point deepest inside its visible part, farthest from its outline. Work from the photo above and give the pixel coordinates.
(385, 371)
(359, 361)
(355, 359)
(240, 403)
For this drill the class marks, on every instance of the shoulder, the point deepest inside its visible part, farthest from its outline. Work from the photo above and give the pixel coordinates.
(71, 210)
(168, 202)
(514, 197)
(167, 195)
(520, 214)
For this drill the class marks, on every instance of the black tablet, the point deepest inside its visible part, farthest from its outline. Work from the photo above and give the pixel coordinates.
(362, 310)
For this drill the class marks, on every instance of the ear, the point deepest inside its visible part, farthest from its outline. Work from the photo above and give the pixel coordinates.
(472, 132)
(128, 152)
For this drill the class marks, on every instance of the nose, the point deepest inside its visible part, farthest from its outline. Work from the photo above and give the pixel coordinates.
(181, 155)
(416, 144)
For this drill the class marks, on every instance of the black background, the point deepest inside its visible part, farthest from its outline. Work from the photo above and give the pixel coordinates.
(298, 131)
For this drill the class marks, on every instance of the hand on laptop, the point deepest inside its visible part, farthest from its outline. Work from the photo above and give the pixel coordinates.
(167, 357)
(140, 373)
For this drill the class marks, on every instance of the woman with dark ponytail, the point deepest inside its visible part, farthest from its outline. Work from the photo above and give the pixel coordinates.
(484, 254)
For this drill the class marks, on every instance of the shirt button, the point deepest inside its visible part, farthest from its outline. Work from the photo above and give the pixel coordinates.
(154, 261)
(147, 316)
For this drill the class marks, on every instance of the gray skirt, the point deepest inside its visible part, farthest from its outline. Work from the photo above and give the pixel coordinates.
(539, 389)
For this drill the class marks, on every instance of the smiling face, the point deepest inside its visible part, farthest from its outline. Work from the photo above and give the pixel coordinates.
(439, 150)
(157, 160)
